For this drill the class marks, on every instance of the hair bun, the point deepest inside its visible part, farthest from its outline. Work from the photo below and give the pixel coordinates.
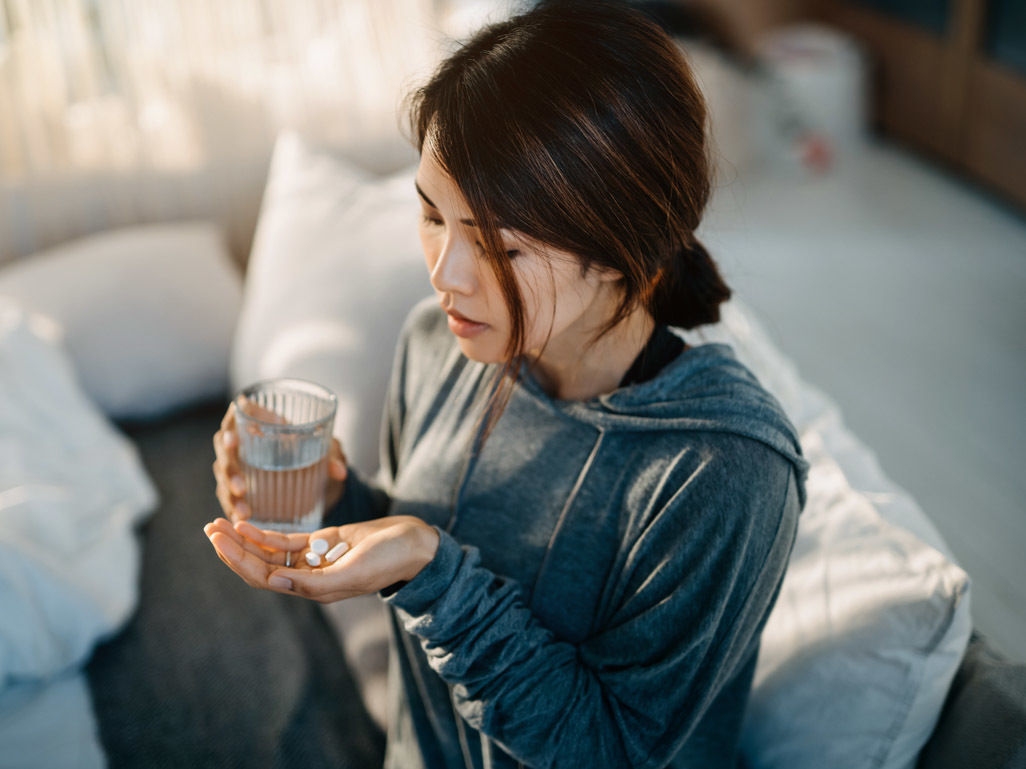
(689, 289)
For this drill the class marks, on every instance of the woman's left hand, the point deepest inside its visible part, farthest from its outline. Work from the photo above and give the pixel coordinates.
(380, 553)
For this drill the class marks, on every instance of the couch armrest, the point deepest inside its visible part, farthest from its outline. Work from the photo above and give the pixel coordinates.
(983, 723)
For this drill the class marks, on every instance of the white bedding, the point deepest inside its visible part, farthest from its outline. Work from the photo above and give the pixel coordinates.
(72, 490)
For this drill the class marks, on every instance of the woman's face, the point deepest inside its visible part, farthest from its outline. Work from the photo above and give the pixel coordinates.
(555, 293)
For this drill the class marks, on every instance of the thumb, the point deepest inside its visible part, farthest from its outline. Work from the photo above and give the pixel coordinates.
(337, 469)
(337, 461)
(309, 583)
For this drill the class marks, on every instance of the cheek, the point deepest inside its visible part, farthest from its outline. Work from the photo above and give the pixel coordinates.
(490, 348)
(431, 248)
(544, 302)
(555, 300)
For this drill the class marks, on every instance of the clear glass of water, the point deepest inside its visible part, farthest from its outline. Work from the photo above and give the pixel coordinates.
(284, 428)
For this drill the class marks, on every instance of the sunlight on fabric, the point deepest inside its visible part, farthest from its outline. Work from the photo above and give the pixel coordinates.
(179, 84)
(310, 339)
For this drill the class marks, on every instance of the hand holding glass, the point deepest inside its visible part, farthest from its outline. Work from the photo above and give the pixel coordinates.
(274, 450)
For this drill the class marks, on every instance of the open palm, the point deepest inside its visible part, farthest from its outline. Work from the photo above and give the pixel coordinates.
(380, 553)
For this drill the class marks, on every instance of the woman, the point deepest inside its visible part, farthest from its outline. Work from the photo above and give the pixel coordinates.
(582, 523)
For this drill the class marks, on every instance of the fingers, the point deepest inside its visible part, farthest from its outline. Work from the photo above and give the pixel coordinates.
(225, 527)
(256, 411)
(231, 487)
(338, 579)
(233, 505)
(337, 465)
(263, 569)
(274, 540)
(228, 459)
(227, 455)
(286, 579)
(228, 420)
(220, 525)
(337, 469)
(246, 565)
(229, 436)
(250, 567)
(322, 585)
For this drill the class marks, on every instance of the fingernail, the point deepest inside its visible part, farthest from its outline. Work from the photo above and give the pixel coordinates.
(243, 510)
(229, 438)
(238, 485)
(282, 582)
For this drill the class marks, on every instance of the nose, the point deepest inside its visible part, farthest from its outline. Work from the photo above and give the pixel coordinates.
(454, 270)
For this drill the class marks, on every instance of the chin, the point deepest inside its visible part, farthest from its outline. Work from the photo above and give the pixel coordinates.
(481, 351)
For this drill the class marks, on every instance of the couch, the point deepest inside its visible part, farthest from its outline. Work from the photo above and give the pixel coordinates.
(187, 663)
(207, 672)
(210, 673)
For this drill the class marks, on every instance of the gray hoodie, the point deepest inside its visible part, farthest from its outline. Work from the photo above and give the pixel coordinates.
(605, 567)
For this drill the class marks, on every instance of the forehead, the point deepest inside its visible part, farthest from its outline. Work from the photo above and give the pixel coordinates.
(443, 192)
(436, 183)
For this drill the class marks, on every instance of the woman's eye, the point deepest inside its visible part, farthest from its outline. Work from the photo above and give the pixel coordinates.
(430, 220)
(512, 253)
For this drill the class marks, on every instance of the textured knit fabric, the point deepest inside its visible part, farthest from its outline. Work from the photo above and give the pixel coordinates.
(605, 567)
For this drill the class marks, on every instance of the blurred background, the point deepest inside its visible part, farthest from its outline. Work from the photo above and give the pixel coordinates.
(870, 198)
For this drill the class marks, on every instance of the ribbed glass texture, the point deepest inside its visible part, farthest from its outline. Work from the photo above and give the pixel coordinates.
(284, 428)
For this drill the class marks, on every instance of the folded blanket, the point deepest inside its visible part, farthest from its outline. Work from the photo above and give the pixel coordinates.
(72, 490)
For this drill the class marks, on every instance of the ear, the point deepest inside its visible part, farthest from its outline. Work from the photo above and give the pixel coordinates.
(604, 274)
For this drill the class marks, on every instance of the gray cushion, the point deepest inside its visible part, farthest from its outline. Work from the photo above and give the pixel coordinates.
(210, 672)
(983, 724)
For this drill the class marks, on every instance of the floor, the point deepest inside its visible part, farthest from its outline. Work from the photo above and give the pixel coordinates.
(901, 292)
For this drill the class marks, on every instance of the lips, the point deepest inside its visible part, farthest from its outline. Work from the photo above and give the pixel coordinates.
(464, 327)
(461, 316)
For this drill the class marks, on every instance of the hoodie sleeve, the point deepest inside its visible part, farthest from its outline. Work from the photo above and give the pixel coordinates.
(362, 500)
(689, 597)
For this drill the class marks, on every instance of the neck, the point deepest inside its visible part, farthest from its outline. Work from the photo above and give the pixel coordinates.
(572, 369)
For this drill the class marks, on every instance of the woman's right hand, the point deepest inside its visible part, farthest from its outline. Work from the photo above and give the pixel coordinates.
(231, 486)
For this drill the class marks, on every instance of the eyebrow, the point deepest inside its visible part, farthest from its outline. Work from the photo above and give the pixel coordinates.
(468, 222)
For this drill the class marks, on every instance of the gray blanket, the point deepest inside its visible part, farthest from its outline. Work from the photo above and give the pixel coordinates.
(210, 672)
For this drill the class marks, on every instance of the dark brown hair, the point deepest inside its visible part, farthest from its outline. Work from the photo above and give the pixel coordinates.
(580, 125)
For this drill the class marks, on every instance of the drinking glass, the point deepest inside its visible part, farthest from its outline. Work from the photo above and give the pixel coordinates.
(284, 444)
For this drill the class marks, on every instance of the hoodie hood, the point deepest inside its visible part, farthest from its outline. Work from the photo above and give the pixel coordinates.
(706, 388)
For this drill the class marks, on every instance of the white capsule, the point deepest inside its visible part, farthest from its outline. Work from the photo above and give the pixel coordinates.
(313, 559)
(336, 552)
(319, 546)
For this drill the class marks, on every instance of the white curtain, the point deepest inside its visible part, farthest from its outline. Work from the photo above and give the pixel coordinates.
(120, 111)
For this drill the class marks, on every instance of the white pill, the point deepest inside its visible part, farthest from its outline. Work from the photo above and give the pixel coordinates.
(336, 552)
(313, 559)
(319, 546)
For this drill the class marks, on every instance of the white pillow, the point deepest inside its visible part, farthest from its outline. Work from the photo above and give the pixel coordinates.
(873, 616)
(860, 650)
(335, 268)
(810, 409)
(72, 492)
(147, 312)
